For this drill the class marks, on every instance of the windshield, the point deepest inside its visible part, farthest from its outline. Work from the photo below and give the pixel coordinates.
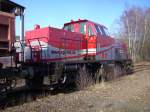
(101, 30)
(98, 29)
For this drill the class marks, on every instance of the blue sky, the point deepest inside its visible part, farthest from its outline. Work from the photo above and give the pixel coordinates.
(57, 12)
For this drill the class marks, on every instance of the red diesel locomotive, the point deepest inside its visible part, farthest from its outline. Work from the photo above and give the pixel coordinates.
(81, 51)
(61, 53)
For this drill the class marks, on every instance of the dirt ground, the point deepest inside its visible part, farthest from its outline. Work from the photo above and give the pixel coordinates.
(126, 94)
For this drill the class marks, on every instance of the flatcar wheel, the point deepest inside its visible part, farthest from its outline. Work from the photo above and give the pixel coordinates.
(83, 78)
(35, 82)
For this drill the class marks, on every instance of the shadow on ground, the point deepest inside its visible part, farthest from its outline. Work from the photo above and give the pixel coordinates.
(22, 95)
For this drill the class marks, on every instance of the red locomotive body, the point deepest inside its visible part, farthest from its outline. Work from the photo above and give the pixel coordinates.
(78, 40)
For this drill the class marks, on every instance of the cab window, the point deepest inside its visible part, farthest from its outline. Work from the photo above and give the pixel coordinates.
(90, 32)
(82, 28)
(65, 28)
(69, 28)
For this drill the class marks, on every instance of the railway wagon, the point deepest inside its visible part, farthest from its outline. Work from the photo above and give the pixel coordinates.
(8, 72)
(7, 33)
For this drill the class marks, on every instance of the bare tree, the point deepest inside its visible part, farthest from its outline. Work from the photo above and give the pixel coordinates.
(134, 28)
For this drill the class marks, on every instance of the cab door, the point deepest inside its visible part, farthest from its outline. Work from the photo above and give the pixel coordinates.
(91, 40)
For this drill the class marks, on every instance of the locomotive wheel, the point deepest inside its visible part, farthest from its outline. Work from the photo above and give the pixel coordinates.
(63, 79)
(100, 76)
(35, 83)
(112, 72)
(118, 71)
(115, 71)
(97, 76)
(62, 82)
(83, 78)
(129, 69)
(122, 70)
(13, 83)
(108, 73)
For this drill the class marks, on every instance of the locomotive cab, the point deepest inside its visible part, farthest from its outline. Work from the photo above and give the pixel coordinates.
(96, 35)
(86, 28)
